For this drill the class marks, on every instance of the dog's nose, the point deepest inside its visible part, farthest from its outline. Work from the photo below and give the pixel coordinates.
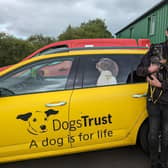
(43, 127)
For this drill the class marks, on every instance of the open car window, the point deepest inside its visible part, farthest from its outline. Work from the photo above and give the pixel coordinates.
(46, 76)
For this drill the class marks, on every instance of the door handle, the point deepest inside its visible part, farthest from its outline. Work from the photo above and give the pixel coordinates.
(56, 104)
(139, 95)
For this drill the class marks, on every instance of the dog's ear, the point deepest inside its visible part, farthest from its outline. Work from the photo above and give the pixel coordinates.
(24, 117)
(50, 112)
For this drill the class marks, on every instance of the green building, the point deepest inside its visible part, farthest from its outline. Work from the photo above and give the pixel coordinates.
(152, 24)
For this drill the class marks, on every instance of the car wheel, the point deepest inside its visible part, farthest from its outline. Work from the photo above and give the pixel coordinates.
(143, 136)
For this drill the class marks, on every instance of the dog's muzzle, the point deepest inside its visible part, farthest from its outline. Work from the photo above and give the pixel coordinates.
(43, 127)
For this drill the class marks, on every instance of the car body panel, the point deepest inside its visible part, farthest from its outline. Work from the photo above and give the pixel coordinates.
(105, 118)
(19, 138)
(89, 119)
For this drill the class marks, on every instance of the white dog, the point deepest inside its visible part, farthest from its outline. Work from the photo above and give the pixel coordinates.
(108, 71)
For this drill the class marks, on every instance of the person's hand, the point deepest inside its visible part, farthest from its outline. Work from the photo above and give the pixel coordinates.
(163, 61)
(153, 68)
(155, 82)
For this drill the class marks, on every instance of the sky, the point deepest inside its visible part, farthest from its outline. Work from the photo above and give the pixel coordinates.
(23, 18)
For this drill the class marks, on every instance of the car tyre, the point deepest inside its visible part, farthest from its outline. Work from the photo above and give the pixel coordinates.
(143, 137)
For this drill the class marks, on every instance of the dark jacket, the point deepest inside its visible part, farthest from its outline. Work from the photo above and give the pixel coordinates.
(142, 70)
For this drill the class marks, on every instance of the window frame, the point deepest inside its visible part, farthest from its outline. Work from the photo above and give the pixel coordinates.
(152, 25)
(132, 30)
(79, 80)
(70, 80)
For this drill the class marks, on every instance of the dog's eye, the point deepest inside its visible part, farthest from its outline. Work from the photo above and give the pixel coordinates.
(34, 119)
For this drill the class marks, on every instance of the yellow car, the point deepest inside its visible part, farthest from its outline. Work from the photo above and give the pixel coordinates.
(72, 101)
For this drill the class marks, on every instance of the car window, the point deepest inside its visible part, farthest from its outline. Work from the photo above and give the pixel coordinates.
(51, 50)
(102, 70)
(39, 77)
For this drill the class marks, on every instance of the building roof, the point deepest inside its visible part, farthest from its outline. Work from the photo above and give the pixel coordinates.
(161, 3)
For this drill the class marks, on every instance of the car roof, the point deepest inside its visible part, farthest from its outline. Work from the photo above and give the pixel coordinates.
(99, 42)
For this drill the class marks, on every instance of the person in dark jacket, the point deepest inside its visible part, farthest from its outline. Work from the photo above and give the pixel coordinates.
(154, 66)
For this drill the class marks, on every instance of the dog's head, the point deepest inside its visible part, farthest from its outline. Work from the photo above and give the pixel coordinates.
(107, 64)
(37, 121)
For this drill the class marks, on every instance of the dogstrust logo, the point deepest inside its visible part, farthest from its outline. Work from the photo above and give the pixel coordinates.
(37, 124)
(37, 121)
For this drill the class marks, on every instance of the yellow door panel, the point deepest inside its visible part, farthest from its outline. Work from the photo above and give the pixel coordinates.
(28, 126)
(105, 114)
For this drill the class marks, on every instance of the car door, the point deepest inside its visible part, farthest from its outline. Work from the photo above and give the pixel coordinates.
(34, 102)
(104, 104)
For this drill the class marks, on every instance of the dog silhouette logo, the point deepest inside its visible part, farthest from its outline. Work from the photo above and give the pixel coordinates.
(37, 121)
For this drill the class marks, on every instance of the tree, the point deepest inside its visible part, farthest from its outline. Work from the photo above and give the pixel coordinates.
(12, 50)
(92, 29)
(39, 40)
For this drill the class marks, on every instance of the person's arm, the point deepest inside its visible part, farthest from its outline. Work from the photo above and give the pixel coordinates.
(165, 51)
(142, 69)
(164, 85)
